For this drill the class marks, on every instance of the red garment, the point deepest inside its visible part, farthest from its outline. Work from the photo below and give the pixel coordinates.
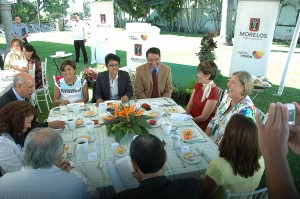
(155, 85)
(198, 106)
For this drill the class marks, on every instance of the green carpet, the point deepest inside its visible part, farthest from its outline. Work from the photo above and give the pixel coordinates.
(183, 75)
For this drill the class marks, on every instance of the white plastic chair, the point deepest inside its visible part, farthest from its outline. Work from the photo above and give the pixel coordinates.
(45, 89)
(222, 95)
(263, 116)
(258, 194)
(34, 100)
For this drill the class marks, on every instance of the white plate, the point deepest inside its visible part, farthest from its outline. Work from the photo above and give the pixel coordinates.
(121, 154)
(85, 114)
(155, 114)
(90, 138)
(158, 123)
(114, 102)
(195, 136)
(196, 158)
(176, 109)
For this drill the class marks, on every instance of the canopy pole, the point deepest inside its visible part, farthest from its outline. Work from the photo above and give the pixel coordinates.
(291, 52)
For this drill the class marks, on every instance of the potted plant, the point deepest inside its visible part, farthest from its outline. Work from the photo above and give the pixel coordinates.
(207, 48)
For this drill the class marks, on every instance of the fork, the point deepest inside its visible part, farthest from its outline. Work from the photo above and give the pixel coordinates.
(182, 163)
(203, 155)
(100, 167)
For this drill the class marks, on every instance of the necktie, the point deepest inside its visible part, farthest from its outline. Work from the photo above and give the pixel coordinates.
(155, 85)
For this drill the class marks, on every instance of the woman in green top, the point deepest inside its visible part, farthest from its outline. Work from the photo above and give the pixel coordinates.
(240, 165)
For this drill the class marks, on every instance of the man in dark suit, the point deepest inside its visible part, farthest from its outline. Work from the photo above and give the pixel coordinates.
(113, 84)
(148, 159)
(23, 88)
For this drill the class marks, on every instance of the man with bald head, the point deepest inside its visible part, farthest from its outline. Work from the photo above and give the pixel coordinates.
(23, 88)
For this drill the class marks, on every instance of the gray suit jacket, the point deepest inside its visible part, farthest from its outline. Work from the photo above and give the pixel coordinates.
(102, 89)
(144, 83)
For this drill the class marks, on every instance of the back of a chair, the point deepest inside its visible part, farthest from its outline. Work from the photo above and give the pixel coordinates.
(32, 71)
(263, 116)
(222, 95)
(258, 194)
(44, 73)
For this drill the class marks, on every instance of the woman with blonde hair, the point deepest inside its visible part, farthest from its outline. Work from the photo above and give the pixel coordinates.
(240, 165)
(238, 101)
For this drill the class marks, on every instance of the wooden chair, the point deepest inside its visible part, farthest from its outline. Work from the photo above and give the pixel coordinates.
(44, 91)
(258, 194)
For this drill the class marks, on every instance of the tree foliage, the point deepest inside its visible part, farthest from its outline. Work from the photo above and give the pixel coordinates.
(136, 8)
(167, 10)
(51, 9)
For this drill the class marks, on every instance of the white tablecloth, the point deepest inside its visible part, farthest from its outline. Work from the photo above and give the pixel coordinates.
(175, 169)
(6, 80)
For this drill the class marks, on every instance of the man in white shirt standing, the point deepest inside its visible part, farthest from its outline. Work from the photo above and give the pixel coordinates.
(79, 38)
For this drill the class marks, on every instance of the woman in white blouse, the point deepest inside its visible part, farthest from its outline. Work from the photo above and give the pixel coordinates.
(16, 59)
(70, 88)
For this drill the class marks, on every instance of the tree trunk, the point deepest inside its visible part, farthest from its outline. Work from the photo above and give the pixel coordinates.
(226, 23)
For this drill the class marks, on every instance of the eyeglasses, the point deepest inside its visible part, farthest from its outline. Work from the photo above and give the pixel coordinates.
(16, 45)
(113, 65)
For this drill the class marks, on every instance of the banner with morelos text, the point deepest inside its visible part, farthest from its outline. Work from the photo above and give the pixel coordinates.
(254, 29)
(141, 37)
(102, 29)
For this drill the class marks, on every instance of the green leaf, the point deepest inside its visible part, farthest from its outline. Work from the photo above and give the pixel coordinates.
(119, 134)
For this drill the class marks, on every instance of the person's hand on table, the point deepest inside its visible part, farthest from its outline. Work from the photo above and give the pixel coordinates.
(63, 165)
(294, 139)
(64, 102)
(57, 124)
(99, 101)
(124, 98)
(273, 136)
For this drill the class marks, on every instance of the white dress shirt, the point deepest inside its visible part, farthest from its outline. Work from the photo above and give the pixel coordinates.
(79, 30)
(47, 183)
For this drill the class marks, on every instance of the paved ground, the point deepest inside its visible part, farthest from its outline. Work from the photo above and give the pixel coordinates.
(182, 50)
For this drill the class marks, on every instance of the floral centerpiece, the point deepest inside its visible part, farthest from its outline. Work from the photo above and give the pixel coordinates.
(90, 74)
(126, 120)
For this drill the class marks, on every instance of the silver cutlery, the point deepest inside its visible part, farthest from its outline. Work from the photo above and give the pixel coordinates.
(100, 167)
(182, 162)
(205, 157)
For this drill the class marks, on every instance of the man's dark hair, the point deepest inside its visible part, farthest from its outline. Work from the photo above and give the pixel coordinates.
(148, 152)
(154, 51)
(111, 56)
(76, 13)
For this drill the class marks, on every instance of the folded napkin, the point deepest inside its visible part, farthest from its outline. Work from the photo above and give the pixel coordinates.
(180, 117)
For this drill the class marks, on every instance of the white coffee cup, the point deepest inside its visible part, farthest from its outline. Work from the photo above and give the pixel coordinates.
(102, 107)
(176, 139)
(154, 106)
(71, 124)
(75, 108)
(89, 125)
(166, 127)
(82, 145)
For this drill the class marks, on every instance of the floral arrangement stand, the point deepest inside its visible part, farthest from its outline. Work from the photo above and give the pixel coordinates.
(90, 74)
(127, 121)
